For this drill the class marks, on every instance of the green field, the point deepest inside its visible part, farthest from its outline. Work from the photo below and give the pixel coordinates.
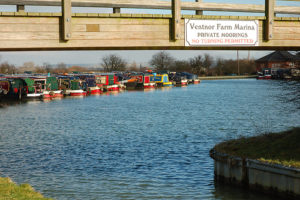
(280, 148)
(11, 191)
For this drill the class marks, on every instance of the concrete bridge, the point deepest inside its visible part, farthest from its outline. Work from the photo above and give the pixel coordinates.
(21, 30)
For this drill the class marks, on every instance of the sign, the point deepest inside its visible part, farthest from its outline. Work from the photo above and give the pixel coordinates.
(221, 33)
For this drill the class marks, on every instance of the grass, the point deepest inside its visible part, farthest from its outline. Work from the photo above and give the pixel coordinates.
(11, 191)
(278, 148)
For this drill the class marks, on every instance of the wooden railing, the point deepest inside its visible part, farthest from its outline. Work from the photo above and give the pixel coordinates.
(268, 7)
(156, 4)
(175, 5)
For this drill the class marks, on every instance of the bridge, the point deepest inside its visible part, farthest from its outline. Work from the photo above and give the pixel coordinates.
(65, 30)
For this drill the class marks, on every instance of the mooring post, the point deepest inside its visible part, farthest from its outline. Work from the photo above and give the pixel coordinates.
(269, 13)
(20, 8)
(66, 19)
(199, 12)
(176, 17)
(116, 10)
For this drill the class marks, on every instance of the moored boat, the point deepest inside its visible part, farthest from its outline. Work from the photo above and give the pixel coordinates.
(148, 83)
(4, 87)
(35, 86)
(109, 82)
(161, 80)
(13, 88)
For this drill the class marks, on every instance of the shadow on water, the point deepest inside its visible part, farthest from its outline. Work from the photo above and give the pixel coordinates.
(6, 102)
(10, 102)
(229, 192)
(290, 92)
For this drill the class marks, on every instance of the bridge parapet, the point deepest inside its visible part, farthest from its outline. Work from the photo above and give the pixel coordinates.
(23, 30)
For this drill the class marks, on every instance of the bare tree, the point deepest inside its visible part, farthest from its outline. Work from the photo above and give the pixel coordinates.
(207, 62)
(196, 64)
(181, 66)
(162, 61)
(133, 67)
(6, 68)
(47, 66)
(61, 68)
(113, 63)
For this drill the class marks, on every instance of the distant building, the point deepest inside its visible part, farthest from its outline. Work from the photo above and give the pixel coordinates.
(277, 60)
(298, 59)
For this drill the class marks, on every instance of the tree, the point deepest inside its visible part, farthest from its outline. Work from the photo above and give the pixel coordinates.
(47, 66)
(196, 64)
(6, 68)
(77, 68)
(61, 68)
(113, 63)
(181, 66)
(228, 67)
(133, 67)
(162, 61)
(207, 62)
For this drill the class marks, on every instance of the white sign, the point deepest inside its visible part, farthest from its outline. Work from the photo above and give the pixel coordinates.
(221, 33)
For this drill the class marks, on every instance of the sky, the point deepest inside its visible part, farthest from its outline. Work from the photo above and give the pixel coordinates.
(140, 57)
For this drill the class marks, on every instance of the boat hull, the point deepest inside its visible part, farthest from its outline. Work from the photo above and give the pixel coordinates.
(111, 88)
(94, 91)
(149, 85)
(197, 81)
(76, 93)
(34, 95)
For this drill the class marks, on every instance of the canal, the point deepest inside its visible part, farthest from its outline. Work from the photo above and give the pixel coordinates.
(140, 145)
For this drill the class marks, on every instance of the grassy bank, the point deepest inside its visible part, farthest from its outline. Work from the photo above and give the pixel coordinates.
(11, 191)
(226, 77)
(280, 148)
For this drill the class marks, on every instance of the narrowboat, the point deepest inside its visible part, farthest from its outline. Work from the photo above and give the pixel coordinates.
(161, 80)
(130, 84)
(13, 87)
(148, 83)
(138, 80)
(178, 79)
(52, 88)
(110, 82)
(90, 84)
(76, 88)
(191, 78)
(4, 87)
(35, 87)
(71, 86)
(262, 76)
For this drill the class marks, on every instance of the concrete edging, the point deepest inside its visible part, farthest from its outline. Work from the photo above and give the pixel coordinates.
(269, 178)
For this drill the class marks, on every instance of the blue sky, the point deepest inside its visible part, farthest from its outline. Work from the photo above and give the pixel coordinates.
(94, 57)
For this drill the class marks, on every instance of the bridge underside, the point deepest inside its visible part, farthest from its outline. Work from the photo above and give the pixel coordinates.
(42, 31)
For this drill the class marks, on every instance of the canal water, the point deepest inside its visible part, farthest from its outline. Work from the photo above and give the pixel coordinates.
(140, 144)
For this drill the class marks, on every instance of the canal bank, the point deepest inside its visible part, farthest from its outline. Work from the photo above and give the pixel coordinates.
(225, 77)
(269, 163)
(10, 190)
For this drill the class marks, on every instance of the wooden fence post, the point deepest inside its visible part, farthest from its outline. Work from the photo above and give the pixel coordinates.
(20, 8)
(176, 18)
(199, 12)
(116, 10)
(269, 13)
(66, 19)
